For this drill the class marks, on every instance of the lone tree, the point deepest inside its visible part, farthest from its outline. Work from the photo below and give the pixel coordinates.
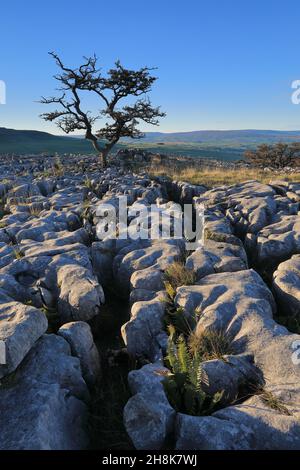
(275, 156)
(118, 84)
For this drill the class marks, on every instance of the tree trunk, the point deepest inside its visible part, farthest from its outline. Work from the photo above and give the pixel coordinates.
(103, 158)
(102, 153)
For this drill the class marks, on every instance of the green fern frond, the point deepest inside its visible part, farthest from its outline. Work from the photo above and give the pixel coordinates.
(183, 355)
(214, 402)
(171, 292)
(184, 384)
(171, 331)
(172, 355)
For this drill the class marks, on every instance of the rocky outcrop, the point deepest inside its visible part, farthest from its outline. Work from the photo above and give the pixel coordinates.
(80, 295)
(80, 338)
(148, 416)
(43, 407)
(286, 285)
(276, 242)
(55, 263)
(20, 327)
(230, 298)
(217, 257)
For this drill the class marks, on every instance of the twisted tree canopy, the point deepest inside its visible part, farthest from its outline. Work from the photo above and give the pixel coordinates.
(276, 156)
(121, 119)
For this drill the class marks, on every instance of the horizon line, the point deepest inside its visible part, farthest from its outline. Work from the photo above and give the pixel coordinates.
(167, 132)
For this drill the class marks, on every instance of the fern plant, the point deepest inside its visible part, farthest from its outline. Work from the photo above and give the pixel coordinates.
(183, 385)
(176, 317)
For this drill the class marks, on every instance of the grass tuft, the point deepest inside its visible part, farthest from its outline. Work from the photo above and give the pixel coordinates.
(210, 344)
(273, 402)
(177, 275)
(18, 254)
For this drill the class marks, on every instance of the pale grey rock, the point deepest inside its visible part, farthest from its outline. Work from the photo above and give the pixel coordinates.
(80, 296)
(278, 241)
(148, 278)
(137, 295)
(66, 198)
(221, 298)
(102, 260)
(235, 193)
(42, 363)
(183, 192)
(43, 408)
(147, 379)
(46, 186)
(251, 214)
(4, 238)
(215, 222)
(20, 327)
(13, 289)
(34, 229)
(271, 429)
(57, 239)
(215, 257)
(232, 375)
(286, 285)
(211, 433)
(25, 191)
(79, 336)
(158, 256)
(148, 416)
(50, 249)
(145, 324)
(7, 254)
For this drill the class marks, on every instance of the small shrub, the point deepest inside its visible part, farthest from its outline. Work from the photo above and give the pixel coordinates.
(18, 254)
(183, 385)
(58, 169)
(88, 183)
(34, 211)
(215, 236)
(278, 155)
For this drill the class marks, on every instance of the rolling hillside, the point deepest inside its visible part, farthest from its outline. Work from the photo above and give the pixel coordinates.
(222, 145)
(233, 137)
(18, 141)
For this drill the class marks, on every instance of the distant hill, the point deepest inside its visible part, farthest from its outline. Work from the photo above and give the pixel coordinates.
(222, 145)
(239, 136)
(18, 141)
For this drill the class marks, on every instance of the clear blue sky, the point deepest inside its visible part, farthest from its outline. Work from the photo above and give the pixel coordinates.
(222, 64)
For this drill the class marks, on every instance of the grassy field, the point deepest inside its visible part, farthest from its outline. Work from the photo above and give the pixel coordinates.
(62, 145)
(191, 149)
(36, 142)
(222, 176)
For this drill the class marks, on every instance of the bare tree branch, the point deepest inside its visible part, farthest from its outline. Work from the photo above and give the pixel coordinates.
(119, 83)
